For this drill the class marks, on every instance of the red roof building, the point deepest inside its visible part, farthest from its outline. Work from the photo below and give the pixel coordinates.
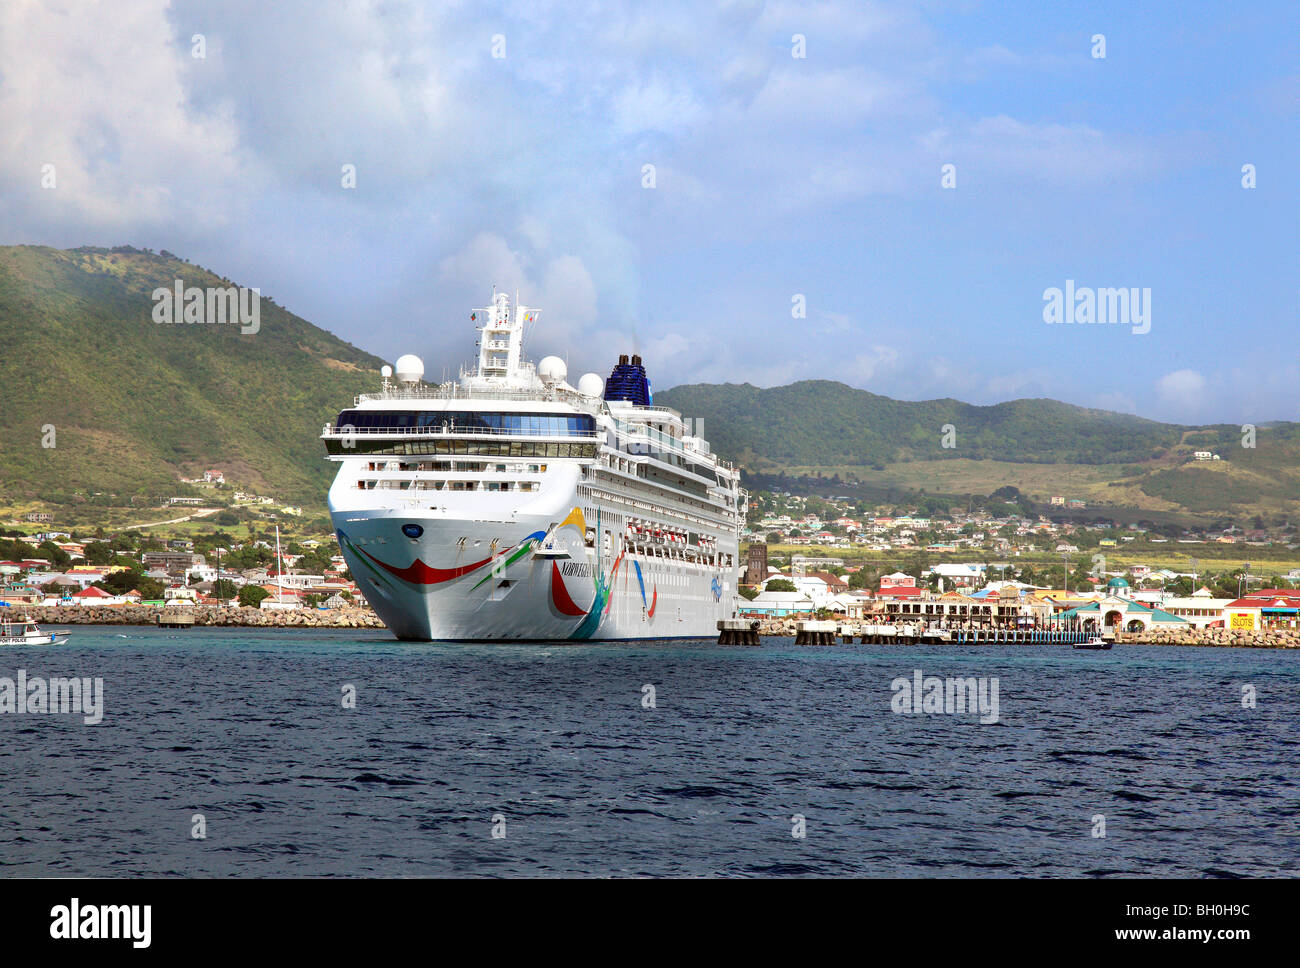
(1268, 608)
(901, 591)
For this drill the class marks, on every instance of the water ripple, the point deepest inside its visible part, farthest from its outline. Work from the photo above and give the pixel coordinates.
(552, 747)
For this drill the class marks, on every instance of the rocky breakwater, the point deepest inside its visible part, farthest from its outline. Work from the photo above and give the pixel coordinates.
(335, 618)
(778, 626)
(1227, 638)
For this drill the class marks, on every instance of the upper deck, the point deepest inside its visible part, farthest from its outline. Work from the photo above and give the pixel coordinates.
(508, 407)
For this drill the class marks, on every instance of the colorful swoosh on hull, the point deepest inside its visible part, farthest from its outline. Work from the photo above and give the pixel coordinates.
(560, 596)
(649, 606)
(600, 603)
(613, 573)
(418, 573)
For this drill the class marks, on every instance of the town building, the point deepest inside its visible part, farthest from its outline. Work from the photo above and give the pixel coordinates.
(175, 563)
(1268, 608)
(756, 563)
(777, 605)
(897, 580)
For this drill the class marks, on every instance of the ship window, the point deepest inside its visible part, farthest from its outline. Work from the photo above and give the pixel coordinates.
(526, 424)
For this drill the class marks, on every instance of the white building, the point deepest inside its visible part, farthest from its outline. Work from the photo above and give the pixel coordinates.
(778, 604)
(964, 574)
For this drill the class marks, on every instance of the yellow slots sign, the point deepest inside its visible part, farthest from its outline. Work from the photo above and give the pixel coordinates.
(1240, 621)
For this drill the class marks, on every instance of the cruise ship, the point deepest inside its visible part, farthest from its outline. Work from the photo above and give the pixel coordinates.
(511, 505)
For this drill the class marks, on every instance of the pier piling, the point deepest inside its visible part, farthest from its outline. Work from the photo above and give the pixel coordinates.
(738, 631)
(814, 633)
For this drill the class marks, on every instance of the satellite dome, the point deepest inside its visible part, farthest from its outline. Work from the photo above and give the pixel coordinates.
(410, 368)
(552, 370)
(385, 371)
(591, 385)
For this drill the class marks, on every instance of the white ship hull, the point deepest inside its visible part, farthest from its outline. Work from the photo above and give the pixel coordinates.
(438, 587)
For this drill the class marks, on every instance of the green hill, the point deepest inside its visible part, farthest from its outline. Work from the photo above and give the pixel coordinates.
(820, 422)
(1043, 447)
(135, 404)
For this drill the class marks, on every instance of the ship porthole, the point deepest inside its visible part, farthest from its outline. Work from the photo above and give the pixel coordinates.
(412, 531)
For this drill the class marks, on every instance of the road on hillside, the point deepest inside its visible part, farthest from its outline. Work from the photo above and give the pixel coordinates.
(153, 524)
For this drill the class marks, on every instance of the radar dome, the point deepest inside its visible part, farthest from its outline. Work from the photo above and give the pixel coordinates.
(385, 371)
(552, 370)
(591, 385)
(410, 368)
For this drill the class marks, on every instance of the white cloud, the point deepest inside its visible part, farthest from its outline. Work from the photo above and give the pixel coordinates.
(657, 105)
(869, 363)
(839, 96)
(1001, 147)
(99, 91)
(1182, 391)
(561, 287)
(793, 175)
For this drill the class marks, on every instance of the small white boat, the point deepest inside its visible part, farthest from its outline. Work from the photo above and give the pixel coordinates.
(1094, 642)
(25, 632)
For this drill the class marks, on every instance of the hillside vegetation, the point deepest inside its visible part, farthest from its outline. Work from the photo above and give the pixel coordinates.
(135, 404)
(819, 428)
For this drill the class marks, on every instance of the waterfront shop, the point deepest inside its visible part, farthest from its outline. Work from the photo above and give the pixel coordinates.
(1269, 608)
(1125, 614)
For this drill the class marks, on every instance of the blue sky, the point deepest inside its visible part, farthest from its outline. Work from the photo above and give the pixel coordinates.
(775, 175)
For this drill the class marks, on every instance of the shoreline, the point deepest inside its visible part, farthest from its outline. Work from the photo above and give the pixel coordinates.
(1204, 638)
(220, 616)
(364, 618)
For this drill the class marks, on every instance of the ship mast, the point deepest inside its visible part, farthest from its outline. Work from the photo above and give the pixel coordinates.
(500, 351)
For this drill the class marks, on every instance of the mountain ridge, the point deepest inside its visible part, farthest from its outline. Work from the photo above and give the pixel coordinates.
(135, 404)
(1042, 446)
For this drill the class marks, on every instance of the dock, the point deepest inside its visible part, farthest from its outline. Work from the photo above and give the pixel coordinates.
(921, 635)
(175, 618)
(738, 631)
(814, 633)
